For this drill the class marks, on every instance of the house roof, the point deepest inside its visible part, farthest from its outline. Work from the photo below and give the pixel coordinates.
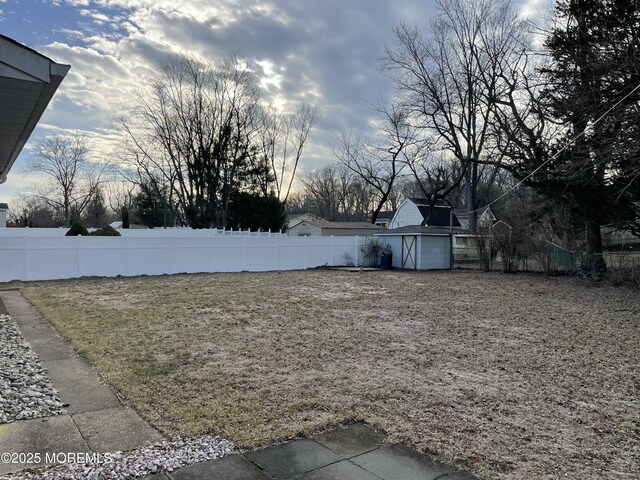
(344, 225)
(419, 230)
(436, 216)
(386, 215)
(28, 81)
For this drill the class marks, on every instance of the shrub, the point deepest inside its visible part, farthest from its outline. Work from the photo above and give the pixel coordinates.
(371, 251)
(77, 229)
(107, 231)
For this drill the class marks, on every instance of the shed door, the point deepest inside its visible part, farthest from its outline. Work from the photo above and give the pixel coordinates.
(409, 252)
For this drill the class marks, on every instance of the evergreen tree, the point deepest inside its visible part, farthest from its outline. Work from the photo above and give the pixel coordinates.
(596, 64)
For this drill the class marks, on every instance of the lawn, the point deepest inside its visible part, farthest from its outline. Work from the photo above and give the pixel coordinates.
(510, 376)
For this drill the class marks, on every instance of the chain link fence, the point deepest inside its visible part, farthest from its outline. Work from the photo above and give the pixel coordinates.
(511, 252)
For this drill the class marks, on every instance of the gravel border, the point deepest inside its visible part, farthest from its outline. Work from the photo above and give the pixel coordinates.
(25, 388)
(162, 456)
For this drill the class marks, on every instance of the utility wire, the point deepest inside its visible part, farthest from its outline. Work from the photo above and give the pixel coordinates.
(571, 142)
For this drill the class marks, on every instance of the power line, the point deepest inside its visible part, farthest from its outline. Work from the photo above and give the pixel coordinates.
(571, 142)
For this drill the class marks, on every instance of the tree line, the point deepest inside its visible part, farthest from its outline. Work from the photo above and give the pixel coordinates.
(484, 102)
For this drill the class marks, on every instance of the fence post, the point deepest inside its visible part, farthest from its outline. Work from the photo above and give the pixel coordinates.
(126, 256)
(170, 267)
(25, 259)
(331, 254)
(306, 251)
(244, 252)
(357, 250)
(79, 255)
(275, 249)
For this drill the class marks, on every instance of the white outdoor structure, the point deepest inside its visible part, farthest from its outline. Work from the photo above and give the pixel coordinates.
(39, 256)
(325, 229)
(28, 81)
(418, 211)
(419, 248)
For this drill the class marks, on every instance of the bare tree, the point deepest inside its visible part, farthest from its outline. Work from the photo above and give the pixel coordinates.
(70, 179)
(379, 162)
(336, 194)
(282, 140)
(438, 80)
(192, 133)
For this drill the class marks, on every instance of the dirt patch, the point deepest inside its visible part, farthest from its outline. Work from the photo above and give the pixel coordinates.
(510, 376)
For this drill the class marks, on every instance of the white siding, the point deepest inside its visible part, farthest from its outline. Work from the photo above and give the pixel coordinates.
(407, 214)
(305, 229)
(433, 252)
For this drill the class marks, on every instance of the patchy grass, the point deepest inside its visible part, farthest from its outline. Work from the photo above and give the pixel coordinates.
(511, 376)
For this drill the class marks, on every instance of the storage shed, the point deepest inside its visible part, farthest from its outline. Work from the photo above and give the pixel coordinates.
(417, 247)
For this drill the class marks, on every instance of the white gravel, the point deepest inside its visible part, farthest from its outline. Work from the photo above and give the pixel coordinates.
(161, 456)
(25, 389)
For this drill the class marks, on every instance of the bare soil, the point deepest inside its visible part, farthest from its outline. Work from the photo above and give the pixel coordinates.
(509, 376)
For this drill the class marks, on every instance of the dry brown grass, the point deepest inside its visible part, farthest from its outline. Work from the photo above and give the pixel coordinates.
(511, 377)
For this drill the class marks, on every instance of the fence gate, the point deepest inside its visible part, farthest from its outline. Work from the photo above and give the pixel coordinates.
(409, 252)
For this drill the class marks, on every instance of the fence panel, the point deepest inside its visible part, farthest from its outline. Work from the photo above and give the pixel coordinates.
(39, 257)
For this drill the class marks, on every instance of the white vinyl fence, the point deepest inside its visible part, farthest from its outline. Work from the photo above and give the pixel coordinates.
(42, 257)
(144, 232)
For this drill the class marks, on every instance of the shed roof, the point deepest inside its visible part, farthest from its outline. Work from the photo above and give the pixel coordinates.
(420, 230)
(28, 81)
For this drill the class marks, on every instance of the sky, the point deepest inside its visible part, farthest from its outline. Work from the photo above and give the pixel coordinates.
(322, 52)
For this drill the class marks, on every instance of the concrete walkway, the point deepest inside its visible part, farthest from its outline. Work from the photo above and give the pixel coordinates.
(356, 452)
(96, 422)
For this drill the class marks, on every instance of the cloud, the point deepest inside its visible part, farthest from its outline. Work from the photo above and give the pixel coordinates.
(322, 52)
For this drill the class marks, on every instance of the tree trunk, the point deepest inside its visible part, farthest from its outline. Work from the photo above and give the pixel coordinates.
(470, 196)
(595, 261)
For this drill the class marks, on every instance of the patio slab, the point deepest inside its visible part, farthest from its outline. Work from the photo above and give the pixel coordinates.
(231, 467)
(113, 429)
(344, 470)
(351, 440)
(49, 435)
(294, 458)
(397, 462)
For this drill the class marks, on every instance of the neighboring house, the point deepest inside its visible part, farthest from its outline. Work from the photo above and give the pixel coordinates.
(384, 218)
(485, 219)
(417, 211)
(28, 81)
(326, 229)
(294, 219)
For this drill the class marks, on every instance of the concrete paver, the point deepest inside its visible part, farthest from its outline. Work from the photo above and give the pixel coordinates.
(54, 349)
(50, 435)
(351, 440)
(231, 467)
(86, 396)
(113, 429)
(397, 462)
(294, 458)
(344, 470)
